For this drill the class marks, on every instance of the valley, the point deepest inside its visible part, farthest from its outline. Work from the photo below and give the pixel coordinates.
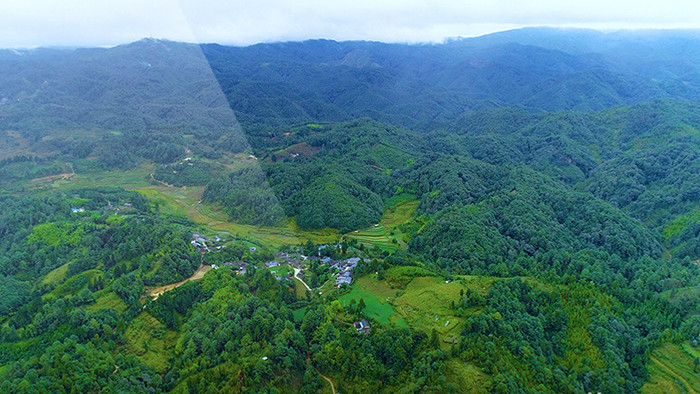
(493, 214)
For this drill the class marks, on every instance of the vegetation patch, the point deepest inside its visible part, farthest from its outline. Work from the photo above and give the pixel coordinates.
(74, 284)
(56, 275)
(468, 377)
(150, 341)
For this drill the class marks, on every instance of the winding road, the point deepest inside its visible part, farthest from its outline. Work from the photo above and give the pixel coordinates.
(296, 273)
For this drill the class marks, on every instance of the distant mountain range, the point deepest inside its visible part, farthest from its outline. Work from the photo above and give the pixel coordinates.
(163, 84)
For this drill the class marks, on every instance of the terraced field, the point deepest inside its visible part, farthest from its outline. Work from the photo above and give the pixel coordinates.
(671, 370)
(108, 300)
(386, 234)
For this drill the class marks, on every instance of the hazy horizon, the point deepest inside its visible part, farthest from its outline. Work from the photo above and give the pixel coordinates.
(43, 23)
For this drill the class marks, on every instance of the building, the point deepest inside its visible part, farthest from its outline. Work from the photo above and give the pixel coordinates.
(362, 326)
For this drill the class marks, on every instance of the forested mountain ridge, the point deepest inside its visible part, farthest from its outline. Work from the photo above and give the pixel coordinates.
(522, 210)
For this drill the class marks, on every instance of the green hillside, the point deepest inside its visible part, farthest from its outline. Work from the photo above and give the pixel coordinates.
(518, 212)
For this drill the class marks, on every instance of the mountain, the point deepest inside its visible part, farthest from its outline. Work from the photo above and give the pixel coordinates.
(518, 212)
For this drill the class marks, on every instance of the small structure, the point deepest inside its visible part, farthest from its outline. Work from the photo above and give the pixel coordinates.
(362, 326)
(253, 249)
(271, 264)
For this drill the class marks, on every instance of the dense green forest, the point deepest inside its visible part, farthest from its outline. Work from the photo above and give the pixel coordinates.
(524, 207)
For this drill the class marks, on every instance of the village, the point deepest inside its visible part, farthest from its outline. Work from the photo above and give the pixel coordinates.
(286, 266)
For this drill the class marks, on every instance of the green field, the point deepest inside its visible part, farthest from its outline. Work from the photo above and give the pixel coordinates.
(380, 235)
(150, 341)
(137, 177)
(299, 314)
(377, 308)
(426, 304)
(671, 370)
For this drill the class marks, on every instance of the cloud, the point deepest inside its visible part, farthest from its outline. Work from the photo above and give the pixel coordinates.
(111, 22)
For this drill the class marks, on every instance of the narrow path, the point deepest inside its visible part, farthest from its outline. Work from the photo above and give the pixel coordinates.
(161, 182)
(327, 380)
(296, 273)
(673, 373)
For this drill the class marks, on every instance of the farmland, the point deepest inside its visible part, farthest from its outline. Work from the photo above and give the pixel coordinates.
(385, 234)
(672, 370)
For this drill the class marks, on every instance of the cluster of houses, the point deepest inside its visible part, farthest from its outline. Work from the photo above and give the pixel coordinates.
(200, 243)
(345, 268)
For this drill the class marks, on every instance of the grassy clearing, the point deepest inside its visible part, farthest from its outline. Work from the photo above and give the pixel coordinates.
(376, 308)
(108, 300)
(418, 303)
(150, 341)
(56, 275)
(671, 370)
(680, 222)
(385, 234)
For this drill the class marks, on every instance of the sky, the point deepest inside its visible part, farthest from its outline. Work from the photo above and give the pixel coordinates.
(32, 23)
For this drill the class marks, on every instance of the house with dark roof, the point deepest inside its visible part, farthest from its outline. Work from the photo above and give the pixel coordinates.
(362, 326)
